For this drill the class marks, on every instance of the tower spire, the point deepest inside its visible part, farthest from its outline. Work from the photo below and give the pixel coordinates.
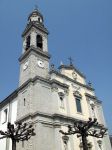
(36, 7)
(35, 46)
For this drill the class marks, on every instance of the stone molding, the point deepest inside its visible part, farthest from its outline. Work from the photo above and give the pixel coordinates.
(37, 78)
(55, 118)
(35, 50)
(73, 81)
(33, 24)
(94, 98)
(62, 85)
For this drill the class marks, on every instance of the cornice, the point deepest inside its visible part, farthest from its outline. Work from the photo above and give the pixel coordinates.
(90, 96)
(67, 78)
(50, 82)
(15, 93)
(55, 117)
(59, 83)
(35, 50)
(93, 97)
(37, 26)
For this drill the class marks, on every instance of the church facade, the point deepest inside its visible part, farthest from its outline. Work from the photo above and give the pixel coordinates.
(49, 98)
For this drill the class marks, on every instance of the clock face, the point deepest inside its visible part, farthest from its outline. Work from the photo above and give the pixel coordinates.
(25, 66)
(40, 64)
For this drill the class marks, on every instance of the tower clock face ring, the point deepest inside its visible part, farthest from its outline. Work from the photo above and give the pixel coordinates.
(40, 64)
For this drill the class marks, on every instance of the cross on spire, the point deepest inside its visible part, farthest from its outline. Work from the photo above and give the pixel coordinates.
(36, 7)
(71, 61)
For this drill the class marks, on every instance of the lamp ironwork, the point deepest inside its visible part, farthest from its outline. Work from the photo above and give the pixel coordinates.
(20, 132)
(85, 129)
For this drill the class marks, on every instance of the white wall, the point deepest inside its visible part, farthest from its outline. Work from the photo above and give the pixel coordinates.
(11, 117)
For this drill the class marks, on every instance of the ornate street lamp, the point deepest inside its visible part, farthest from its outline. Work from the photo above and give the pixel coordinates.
(85, 129)
(21, 132)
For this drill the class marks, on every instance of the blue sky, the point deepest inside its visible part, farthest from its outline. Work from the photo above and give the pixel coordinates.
(78, 28)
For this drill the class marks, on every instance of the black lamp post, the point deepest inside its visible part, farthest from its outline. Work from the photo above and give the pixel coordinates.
(21, 132)
(85, 129)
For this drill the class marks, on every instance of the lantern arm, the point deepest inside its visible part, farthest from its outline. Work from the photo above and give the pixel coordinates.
(25, 137)
(74, 132)
(21, 134)
(91, 123)
(18, 137)
(2, 133)
(69, 133)
(64, 133)
(10, 130)
(27, 132)
(23, 131)
(5, 136)
(97, 134)
(18, 127)
(76, 128)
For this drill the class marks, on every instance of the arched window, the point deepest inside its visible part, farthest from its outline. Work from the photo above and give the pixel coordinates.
(39, 19)
(78, 98)
(78, 104)
(39, 41)
(61, 97)
(5, 116)
(28, 42)
(24, 101)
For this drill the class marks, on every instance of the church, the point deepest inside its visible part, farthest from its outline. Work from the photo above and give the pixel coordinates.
(50, 98)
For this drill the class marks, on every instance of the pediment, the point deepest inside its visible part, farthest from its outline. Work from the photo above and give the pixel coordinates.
(73, 73)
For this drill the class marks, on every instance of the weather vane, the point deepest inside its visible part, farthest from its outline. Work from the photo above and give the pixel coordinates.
(71, 61)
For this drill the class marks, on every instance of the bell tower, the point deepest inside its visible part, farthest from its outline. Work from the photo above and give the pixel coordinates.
(34, 60)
